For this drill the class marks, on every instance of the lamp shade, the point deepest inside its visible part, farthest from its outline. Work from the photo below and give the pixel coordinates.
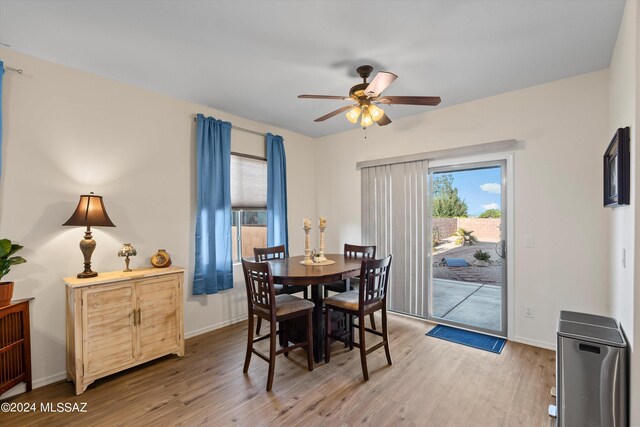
(127, 250)
(353, 114)
(366, 118)
(376, 112)
(90, 212)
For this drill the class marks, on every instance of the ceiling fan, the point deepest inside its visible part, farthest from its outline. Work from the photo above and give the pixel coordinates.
(367, 98)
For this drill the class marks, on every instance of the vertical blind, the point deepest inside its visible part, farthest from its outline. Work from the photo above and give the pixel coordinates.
(395, 209)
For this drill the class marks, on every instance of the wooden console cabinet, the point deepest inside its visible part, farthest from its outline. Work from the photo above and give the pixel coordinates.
(122, 319)
(15, 345)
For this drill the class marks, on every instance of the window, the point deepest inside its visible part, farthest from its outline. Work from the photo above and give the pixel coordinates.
(248, 231)
(248, 204)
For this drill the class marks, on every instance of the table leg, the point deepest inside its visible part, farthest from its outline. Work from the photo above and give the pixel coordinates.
(318, 324)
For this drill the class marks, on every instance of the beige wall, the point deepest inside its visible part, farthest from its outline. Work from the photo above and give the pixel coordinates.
(68, 132)
(562, 130)
(624, 110)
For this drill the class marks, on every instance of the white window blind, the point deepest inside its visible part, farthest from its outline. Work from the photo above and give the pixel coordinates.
(248, 183)
(394, 218)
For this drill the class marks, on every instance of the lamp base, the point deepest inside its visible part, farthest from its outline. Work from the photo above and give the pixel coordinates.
(126, 261)
(87, 274)
(87, 246)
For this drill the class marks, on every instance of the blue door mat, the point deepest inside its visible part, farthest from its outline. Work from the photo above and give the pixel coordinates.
(468, 338)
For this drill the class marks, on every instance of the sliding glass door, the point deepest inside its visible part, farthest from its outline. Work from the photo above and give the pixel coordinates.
(467, 285)
(446, 229)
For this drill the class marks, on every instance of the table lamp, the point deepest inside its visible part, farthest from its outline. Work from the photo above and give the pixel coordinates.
(89, 213)
(126, 251)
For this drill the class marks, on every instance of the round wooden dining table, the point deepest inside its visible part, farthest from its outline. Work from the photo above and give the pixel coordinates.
(289, 271)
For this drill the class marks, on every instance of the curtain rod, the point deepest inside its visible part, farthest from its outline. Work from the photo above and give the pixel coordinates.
(248, 156)
(241, 128)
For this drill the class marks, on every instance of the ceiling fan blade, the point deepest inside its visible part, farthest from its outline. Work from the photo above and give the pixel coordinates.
(380, 82)
(333, 113)
(323, 97)
(410, 100)
(384, 120)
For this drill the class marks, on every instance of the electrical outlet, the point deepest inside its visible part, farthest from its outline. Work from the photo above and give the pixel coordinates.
(529, 311)
(528, 241)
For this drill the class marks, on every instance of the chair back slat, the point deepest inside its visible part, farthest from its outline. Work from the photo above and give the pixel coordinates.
(355, 251)
(266, 254)
(374, 280)
(259, 282)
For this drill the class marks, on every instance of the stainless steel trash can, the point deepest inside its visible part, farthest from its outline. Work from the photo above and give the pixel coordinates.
(591, 372)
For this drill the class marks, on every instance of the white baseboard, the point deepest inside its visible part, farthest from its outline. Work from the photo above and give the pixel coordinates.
(535, 343)
(210, 328)
(40, 382)
(50, 379)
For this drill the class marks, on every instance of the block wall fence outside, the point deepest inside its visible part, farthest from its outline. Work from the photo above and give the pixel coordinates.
(445, 226)
(252, 237)
(485, 229)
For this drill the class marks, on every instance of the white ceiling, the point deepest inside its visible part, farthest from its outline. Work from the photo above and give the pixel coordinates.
(252, 58)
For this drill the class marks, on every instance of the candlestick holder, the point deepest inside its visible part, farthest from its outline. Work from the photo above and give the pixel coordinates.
(321, 257)
(307, 246)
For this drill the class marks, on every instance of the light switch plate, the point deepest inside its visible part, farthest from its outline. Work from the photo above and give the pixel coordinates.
(528, 241)
(529, 311)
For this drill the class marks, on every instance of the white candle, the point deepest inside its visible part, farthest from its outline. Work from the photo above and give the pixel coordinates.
(323, 221)
(306, 223)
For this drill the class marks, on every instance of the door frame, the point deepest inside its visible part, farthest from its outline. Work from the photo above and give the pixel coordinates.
(508, 224)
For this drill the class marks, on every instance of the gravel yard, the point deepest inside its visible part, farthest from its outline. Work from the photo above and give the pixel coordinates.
(486, 275)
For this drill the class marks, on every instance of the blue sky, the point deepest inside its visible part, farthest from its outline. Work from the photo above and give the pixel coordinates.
(480, 188)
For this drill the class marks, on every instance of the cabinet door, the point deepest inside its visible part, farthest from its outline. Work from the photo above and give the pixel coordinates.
(109, 334)
(159, 323)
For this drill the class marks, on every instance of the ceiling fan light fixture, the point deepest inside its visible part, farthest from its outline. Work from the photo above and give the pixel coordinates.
(375, 112)
(353, 114)
(364, 95)
(366, 118)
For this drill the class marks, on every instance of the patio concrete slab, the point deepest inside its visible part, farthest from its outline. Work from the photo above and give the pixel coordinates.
(481, 309)
(489, 291)
(447, 294)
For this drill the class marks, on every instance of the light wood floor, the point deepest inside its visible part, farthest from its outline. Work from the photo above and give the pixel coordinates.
(432, 382)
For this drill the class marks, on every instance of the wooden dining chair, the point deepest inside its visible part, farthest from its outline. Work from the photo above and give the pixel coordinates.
(370, 297)
(270, 253)
(264, 303)
(355, 252)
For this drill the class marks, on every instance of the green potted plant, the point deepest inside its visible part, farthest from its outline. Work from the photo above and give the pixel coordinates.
(7, 249)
